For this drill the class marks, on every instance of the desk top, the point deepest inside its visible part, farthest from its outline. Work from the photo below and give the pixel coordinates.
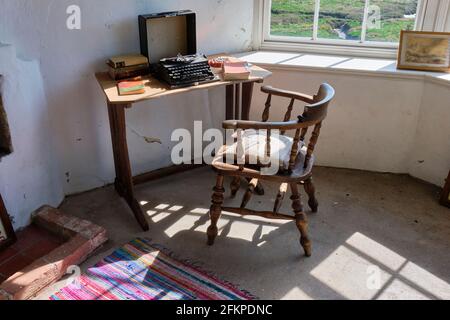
(156, 89)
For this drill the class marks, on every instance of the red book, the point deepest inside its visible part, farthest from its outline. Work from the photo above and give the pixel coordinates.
(236, 70)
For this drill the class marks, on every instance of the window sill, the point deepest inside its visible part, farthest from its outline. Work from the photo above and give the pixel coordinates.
(334, 47)
(277, 60)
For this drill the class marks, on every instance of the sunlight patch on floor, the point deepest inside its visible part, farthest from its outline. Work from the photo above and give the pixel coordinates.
(426, 280)
(235, 226)
(162, 206)
(346, 272)
(160, 216)
(399, 290)
(365, 269)
(296, 294)
(184, 223)
(242, 230)
(277, 223)
(200, 211)
(376, 251)
(151, 213)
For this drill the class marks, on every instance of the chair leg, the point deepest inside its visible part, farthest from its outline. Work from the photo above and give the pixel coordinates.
(311, 191)
(301, 220)
(216, 209)
(259, 189)
(235, 185)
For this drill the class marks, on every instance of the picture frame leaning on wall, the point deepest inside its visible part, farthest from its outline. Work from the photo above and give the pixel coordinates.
(7, 235)
(424, 51)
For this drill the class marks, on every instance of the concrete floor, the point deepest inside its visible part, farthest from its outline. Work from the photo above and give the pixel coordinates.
(376, 236)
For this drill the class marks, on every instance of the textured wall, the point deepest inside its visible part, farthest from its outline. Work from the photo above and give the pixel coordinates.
(28, 176)
(69, 58)
(70, 99)
(430, 154)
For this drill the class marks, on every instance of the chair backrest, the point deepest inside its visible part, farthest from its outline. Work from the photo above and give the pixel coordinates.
(318, 111)
(314, 113)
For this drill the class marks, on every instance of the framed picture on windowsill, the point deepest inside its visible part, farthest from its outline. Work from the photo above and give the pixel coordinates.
(7, 235)
(424, 51)
(445, 197)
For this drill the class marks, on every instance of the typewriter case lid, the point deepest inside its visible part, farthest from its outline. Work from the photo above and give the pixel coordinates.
(164, 35)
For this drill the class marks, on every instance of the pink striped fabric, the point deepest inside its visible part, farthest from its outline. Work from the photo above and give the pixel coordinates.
(141, 271)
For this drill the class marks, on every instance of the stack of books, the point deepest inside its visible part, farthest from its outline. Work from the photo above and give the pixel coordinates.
(235, 69)
(128, 66)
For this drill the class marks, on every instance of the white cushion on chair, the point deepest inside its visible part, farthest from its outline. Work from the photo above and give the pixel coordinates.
(254, 144)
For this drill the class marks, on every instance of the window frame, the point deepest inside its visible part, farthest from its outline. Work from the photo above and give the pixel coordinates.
(430, 17)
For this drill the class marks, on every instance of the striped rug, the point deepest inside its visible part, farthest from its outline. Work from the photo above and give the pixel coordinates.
(142, 271)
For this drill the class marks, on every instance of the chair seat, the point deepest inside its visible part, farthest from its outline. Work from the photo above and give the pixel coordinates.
(254, 153)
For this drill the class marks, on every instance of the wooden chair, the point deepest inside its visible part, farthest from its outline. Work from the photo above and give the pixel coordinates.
(300, 164)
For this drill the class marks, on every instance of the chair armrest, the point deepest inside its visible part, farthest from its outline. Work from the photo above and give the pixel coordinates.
(257, 125)
(288, 94)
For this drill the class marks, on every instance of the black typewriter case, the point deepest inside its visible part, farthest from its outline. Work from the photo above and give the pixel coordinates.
(167, 34)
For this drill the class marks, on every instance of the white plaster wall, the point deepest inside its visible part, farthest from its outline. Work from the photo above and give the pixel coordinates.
(371, 124)
(69, 106)
(69, 58)
(430, 156)
(28, 177)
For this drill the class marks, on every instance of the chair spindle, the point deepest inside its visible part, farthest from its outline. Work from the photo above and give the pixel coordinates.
(288, 115)
(268, 146)
(312, 143)
(303, 135)
(266, 113)
(294, 151)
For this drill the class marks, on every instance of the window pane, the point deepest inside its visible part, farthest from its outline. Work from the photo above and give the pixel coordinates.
(341, 19)
(388, 17)
(292, 18)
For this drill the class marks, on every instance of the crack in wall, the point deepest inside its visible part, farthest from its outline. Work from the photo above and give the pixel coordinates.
(149, 140)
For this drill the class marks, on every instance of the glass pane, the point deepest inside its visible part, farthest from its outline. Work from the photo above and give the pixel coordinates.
(292, 18)
(341, 19)
(388, 17)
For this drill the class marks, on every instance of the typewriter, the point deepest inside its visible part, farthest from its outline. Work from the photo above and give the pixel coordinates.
(185, 71)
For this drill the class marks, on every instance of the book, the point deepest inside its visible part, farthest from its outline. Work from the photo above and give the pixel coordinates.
(132, 86)
(127, 60)
(128, 72)
(236, 70)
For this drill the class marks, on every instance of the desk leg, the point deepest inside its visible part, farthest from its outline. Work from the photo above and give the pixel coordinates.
(230, 102)
(247, 93)
(238, 108)
(124, 177)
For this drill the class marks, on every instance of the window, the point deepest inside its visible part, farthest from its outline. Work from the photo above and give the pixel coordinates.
(362, 24)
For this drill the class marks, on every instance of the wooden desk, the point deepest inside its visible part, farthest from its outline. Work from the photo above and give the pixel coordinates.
(238, 101)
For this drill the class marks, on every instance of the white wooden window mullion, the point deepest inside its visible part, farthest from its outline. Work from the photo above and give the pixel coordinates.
(316, 20)
(364, 22)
